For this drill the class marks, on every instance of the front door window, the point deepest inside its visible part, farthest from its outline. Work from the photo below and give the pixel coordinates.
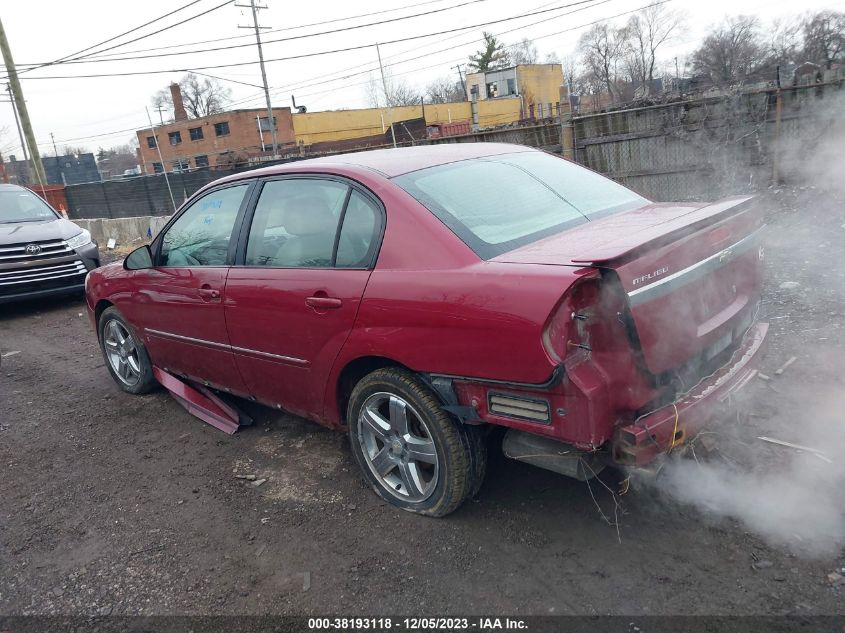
(201, 235)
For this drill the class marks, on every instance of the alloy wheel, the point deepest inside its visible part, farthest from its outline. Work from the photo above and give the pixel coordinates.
(398, 447)
(122, 352)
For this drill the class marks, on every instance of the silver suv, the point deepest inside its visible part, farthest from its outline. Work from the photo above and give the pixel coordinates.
(41, 253)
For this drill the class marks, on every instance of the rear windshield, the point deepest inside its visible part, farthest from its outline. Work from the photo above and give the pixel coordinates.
(21, 205)
(498, 203)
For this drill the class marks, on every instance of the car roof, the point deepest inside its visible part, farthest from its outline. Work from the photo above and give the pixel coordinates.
(10, 187)
(401, 160)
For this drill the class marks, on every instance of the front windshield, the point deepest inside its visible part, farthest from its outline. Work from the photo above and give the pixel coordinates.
(21, 205)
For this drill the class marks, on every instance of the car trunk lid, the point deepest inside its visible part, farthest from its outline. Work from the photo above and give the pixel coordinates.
(690, 272)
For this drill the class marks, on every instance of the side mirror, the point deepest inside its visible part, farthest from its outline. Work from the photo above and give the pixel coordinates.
(139, 259)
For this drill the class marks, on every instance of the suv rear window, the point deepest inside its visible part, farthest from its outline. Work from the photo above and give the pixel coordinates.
(498, 203)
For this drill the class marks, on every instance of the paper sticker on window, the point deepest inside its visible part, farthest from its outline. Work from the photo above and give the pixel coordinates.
(211, 204)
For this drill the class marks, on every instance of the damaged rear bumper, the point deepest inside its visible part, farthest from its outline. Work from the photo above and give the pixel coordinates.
(659, 431)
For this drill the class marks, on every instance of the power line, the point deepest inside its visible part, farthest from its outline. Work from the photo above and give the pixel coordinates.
(288, 28)
(283, 39)
(574, 28)
(371, 69)
(166, 28)
(111, 39)
(314, 54)
(427, 54)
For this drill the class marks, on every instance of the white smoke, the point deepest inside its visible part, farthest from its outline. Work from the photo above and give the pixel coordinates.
(793, 499)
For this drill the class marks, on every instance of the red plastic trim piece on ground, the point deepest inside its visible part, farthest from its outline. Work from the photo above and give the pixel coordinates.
(200, 402)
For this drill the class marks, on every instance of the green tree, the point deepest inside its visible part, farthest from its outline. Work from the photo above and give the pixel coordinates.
(493, 56)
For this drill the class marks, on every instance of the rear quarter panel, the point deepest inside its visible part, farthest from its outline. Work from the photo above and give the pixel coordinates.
(434, 306)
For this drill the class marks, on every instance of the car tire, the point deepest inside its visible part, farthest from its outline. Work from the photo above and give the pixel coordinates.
(126, 357)
(478, 451)
(413, 454)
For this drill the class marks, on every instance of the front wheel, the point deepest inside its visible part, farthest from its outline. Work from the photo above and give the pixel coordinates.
(412, 453)
(125, 356)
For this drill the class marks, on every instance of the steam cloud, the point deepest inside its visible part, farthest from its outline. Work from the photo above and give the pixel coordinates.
(792, 499)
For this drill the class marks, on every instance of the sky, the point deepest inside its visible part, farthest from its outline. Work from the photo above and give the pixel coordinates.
(93, 112)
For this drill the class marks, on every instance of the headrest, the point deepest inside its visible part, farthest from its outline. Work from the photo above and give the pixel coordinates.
(308, 215)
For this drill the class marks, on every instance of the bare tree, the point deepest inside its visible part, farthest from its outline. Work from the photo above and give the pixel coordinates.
(493, 56)
(645, 32)
(824, 37)
(201, 96)
(74, 150)
(399, 91)
(574, 75)
(444, 90)
(784, 41)
(551, 58)
(7, 142)
(523, 52)
(602, 49)
(731, 51)
(117, 159)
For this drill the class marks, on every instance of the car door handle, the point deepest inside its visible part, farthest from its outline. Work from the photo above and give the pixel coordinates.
(324, 303)
(207, 293)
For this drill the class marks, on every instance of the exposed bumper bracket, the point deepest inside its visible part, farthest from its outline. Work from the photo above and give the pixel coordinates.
(202, 403)
(671, 425)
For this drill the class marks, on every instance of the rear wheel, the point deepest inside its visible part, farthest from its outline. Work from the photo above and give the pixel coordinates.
(125, 356)
(411, 452)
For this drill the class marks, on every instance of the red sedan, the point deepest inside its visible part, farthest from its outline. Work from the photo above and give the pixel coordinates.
(416, 297)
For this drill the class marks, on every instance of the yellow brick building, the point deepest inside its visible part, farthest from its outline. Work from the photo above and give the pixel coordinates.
(339, 125)
(535, 85)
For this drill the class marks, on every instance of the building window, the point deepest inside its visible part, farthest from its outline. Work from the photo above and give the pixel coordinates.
(492, 90)
(179, 164)
(221, 129)
(196, 133)
(511, 86)
(157, 168)
(264, 126)
(175, 137)
(201, 161)
(151, 142)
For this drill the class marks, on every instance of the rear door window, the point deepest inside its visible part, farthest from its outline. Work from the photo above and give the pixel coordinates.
(312, 223)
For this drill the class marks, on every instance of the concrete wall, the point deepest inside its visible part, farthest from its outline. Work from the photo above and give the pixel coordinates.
(127, 232)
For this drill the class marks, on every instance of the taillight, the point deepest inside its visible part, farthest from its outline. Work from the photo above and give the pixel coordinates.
(566, 328)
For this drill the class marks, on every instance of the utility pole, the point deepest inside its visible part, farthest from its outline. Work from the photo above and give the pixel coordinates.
(463, 83)
(161, 160)
(270, 121)
(17, 95)
(386, 97)
(18, 124)
(58, 162)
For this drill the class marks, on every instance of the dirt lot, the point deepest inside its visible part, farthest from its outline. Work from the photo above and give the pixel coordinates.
(113, 504)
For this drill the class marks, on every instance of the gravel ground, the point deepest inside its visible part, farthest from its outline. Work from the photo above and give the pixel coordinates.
(114, 504)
